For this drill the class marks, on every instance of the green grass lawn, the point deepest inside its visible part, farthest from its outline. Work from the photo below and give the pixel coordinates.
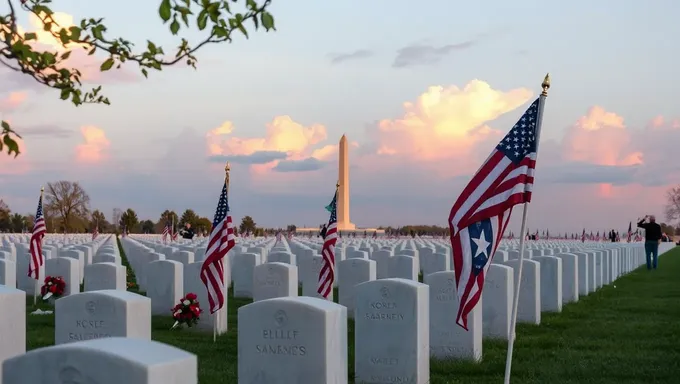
(627, 334)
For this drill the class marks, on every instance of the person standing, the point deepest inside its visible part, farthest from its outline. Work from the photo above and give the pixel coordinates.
(652, 238)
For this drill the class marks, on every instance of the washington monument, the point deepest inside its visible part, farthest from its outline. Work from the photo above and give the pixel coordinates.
(343, 192)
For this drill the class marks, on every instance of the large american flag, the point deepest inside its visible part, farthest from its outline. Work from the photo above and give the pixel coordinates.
(327, 272)
(221, 240)
(480, 216)
(35, 248)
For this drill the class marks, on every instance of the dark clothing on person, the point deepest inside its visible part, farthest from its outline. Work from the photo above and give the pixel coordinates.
(323, 232)
(652, 230)
(187, 233)
(612, 236)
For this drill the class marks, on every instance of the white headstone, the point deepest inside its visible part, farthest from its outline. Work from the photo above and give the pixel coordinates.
(292, 340)
(101, 314)
(392, 341)
(104, 361)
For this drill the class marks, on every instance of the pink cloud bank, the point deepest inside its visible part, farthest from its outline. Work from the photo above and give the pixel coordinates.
(600, 167)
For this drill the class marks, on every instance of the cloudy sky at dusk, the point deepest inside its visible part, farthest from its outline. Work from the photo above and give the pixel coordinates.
(423, 94)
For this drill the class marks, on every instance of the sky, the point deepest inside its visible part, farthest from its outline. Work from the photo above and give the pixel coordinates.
(423, 93)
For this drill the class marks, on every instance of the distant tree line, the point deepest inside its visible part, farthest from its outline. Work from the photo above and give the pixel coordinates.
(66, 207)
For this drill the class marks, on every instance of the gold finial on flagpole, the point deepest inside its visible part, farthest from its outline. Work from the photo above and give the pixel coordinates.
(337, 185)
(545, 85)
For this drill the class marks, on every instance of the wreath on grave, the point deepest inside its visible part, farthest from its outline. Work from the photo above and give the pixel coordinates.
(188, 311)
(53, 287)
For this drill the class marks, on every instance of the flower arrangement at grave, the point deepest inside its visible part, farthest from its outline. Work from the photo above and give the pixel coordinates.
(53, 287)
(188, 311)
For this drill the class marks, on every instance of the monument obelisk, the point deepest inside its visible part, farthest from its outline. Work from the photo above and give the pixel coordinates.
(343, 192)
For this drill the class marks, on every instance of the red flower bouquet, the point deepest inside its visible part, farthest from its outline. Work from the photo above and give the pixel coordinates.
(188, 311)
(53, 287)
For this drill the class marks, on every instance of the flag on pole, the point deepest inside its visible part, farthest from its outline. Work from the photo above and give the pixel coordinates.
(327, 273)
(35, 248)
(95, 232)
(221, 240)
(166, 230)
(481, 213)
(630, 231)
(583, 236)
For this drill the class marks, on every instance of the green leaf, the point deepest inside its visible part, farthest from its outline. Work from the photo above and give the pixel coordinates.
(145, 73)
(65, 55)
(75, 33)
(202, 19)
(165, 10)
(106, 65)
(63, 36)
(12, 145)
(267, 20)
(5, 126)
(30, 36)
(65, 93)
(174, 27)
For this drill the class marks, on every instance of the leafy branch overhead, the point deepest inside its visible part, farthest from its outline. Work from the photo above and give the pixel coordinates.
(219, 22)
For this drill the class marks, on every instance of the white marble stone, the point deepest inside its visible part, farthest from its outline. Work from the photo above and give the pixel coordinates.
(404, 267)
(353, 272)
(13, 329)
(243, 266)
(165, 285)
(274, 280)
(104, 276)
(392, 341)
(551, 283)
(447, 339)
(8, 273)
(193, 284)
(292, 340)
(497, 301)
(101, 314)
(569, 277)
(104, 361)
(529, 307)
(67, 269)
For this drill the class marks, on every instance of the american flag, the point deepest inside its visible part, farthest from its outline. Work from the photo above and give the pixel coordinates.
(35, 248)
(630, 231)
(166, 230)
(480, 216)
(583, 236)
(221, 240)
(95, 232)
(327, 272)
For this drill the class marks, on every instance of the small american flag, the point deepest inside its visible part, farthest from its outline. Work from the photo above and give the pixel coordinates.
(166, 230)
(481, 213)
(630, 231)
(327, 272)
(95, 232)
(583, 236)
(35, 248)
(221, 240)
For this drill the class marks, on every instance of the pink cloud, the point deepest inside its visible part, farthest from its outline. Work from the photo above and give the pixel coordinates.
(95, 146)
(12, 101)
(282, 134)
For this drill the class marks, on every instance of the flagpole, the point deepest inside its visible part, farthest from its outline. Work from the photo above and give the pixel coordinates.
(227, 169)
(513, 321)
(37, 281)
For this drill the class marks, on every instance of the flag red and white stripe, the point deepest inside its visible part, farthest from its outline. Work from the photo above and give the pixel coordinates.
(327, 272)
(481, 213)
(221, 240)
(35, 248)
